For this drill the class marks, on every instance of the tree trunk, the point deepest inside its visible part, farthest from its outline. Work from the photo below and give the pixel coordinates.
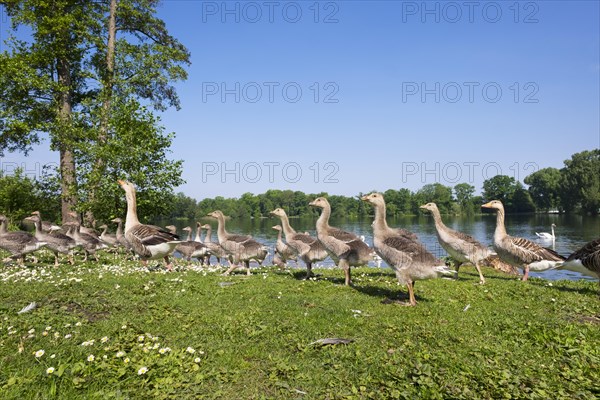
(67, 158)
(103, 133)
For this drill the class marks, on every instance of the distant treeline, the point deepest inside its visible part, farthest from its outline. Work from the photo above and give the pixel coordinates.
(574, 188)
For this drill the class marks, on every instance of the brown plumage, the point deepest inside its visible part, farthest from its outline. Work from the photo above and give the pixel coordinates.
(521, 252)
(460, 246)
(242, 248)
(189, 248)
(308, 248)
(89, 243)
(214, 249)
(57, 242)
(283, 251)
(119, 234)
(150, 242)
(343, 246)
(108, 239)
(587, 256)
(408, 257)
(17, 243)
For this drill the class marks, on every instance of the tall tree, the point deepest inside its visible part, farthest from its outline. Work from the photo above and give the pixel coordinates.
(500, 187)
(463, 192)
(75, 76)
(581, 182)
(545, 188)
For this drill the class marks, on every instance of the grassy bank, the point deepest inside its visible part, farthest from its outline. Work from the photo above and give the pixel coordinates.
(116, 331)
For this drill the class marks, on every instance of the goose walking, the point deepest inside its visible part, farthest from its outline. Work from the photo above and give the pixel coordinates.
(460, 246)
(108, 239)
(17, 243)
(309, 249)
(283, 251)
(148, 241)
(214, 249)
(343, 246)
(518, 251)
(189, 248)
(400, 249)
(89, 243)
(242, 248)
(56, 241)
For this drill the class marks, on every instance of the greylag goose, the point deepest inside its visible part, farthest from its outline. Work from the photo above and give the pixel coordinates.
(108, 239)
(214, 249)
(198, 237)
(283, 252)
(17, 243)
(409, 259)
(119, 234)
(309, 249)
(189, 248)
(242, 248)
(343, 246)
(89, 243)
(147, 241)
(546, 235)
(56, 241)
(587, 257)
(521, 252)
(460, 246)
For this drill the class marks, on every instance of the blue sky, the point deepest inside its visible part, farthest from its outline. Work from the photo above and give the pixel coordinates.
(393, 94)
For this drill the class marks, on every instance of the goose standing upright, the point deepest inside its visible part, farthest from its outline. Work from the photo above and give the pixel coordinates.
(460, 246)
(57, 242)
(190, 248)
(89, 243)
(521, 252)
(343, 246)
(283, 251)
(242, 248)
(309, 249)
(119, 234)
(17, 243)
(108, 239)
(400, 249)
(214, 249)
(148, 241)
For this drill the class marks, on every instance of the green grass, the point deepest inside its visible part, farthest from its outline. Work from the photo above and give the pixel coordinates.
(252, 337)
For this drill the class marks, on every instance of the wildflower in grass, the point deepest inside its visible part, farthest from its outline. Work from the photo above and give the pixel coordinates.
(56, 335)
(197, 360)
(91, 358)
(68, 336)
(126, 360)
(50, 370)
(190, 350)
(78, 324)
(124, 327)
(120, 354)
(31, 331)
(48, 328)
(53, 356)
(117, 286)
(39, 353)
(67, 325)
(141, 338)
(104, 339)
(142, 371)
(45, 333)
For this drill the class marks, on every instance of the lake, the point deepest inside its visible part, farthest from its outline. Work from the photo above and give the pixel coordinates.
(572, 232)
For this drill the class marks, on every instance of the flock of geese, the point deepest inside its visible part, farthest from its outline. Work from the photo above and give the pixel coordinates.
(399, 248)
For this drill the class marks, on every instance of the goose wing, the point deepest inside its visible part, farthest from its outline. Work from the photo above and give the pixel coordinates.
(399, 250)
(150, 235)
(589, 255)
(301, 243)
(530, 252)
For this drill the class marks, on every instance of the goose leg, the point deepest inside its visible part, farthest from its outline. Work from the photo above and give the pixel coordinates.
(309, 273)
(526, 274)
(346, 267)
(411, 294)
(456, 271)
(481, 278)
(247, 263)
(168, 264)
(56, 259)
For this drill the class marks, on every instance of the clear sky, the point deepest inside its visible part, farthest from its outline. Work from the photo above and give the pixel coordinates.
(351, 96)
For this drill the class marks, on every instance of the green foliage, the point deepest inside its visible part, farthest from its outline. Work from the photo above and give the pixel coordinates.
(20, 195)
(251, 338)
(581, 182)
(463, 192)
(545, 188)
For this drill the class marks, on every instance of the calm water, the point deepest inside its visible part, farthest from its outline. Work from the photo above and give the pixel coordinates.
(571, 233)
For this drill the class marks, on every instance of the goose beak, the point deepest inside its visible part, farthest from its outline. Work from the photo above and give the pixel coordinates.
(364, 198)
(487, 205)
(423, 207)
(312, 203)
(121, 182)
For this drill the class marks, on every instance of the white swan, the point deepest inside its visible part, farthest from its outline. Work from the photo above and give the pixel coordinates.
(546, 235)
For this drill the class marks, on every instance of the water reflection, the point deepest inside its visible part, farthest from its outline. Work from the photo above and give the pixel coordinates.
(572, 231)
